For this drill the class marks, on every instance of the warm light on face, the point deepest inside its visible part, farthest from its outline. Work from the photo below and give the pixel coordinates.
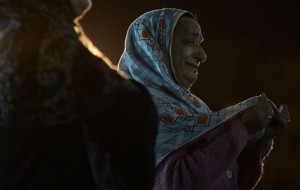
(186, 51)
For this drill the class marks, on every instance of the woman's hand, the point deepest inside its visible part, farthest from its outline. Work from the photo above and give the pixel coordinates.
(259, 116)
(279, 122)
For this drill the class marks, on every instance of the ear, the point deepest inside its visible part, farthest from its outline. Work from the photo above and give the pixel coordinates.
(80, 7)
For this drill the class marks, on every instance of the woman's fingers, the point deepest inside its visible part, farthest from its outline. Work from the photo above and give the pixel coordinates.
(285, 111)
(265, 110)
(280, 122)
(263, 102)
(283, 117)
(261, 115)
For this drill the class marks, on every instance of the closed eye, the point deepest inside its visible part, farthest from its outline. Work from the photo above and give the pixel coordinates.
(189, 41)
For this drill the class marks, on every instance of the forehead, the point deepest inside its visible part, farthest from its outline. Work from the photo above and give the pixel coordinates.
(187, 25)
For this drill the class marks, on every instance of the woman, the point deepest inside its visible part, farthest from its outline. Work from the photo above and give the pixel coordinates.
(67, 121)
(195, 147)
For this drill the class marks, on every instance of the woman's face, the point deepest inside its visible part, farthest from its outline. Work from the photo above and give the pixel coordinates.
(187, 54)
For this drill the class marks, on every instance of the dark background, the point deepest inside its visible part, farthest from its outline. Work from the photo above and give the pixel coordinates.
(252, 47)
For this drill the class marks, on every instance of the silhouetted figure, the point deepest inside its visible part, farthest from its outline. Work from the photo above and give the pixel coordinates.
(67, 121)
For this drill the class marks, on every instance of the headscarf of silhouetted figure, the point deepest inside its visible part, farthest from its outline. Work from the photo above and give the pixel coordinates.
(57, 98)
(40, 34)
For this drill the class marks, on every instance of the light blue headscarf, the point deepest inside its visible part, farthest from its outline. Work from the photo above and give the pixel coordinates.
(146, 59)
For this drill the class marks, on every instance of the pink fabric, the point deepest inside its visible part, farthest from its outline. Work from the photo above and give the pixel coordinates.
(223, 162)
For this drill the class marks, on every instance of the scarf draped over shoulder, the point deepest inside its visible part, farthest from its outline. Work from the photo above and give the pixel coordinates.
(183, 117)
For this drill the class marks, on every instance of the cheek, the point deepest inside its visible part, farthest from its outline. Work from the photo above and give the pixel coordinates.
(177, 63)
(182, 58)
(179, 55)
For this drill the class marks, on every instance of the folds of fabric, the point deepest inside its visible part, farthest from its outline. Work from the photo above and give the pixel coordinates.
(218, 162)
(146, 58)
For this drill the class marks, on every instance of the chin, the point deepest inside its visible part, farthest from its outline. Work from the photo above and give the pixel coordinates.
(187, 85)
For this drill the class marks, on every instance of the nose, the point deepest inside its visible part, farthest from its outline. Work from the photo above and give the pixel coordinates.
(200, 54)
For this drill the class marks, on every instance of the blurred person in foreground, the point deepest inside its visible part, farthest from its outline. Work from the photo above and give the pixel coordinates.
(67, 120)
(196, 148)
